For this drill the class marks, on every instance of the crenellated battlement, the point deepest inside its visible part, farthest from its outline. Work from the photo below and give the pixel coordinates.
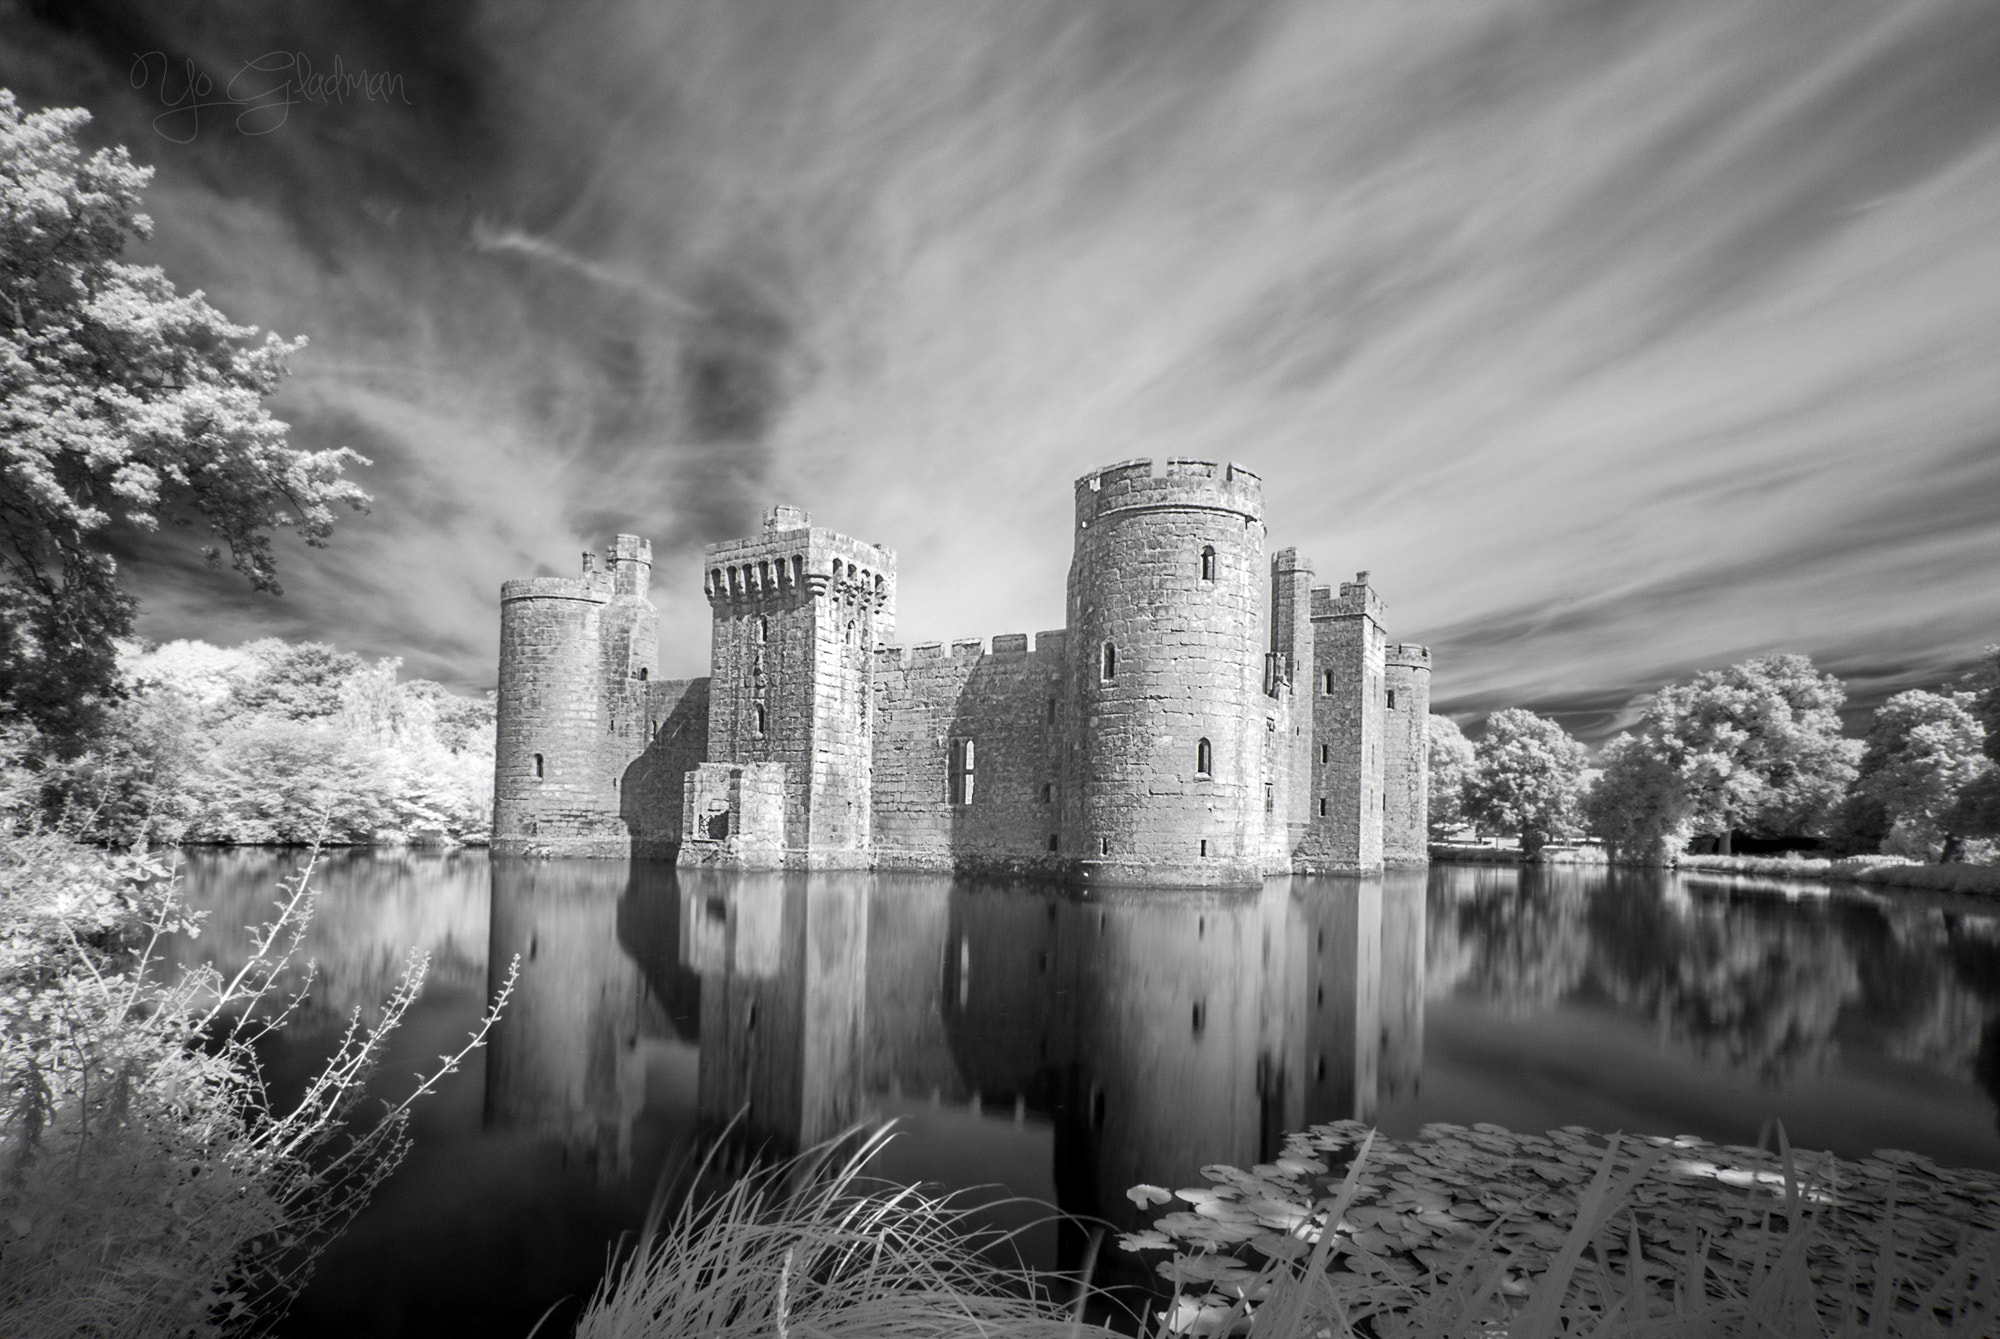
(1007, 644)
(795, 559)
(1356, 599)
(1204, 485)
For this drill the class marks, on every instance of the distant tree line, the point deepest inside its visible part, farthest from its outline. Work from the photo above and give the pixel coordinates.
(1755, 750)
(272, 742)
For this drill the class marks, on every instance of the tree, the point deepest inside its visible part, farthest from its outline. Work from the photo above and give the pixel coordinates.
(1923, 750)
(122, 402)
(1528, 778)
(1450, 763)
(1755, 747)
(1977, 812)
(1638, 806)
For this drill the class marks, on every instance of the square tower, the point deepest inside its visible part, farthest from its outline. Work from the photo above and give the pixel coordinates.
(798, 613)
(1349, 654)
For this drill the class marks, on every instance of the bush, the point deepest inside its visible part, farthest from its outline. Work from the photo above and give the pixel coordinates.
(148, 1185)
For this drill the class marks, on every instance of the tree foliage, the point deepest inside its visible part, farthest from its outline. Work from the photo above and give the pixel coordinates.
(1450, 763)
(273, 742)
(1922, 753)
(1527, 779)
(122, 402)
(1756, 747)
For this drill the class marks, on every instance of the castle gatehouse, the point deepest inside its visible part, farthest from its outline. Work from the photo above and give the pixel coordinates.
(1206, 717)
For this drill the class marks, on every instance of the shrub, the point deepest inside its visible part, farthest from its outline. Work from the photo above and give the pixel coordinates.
(148, 1185)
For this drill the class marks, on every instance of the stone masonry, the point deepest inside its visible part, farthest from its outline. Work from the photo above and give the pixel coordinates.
(1207, 717)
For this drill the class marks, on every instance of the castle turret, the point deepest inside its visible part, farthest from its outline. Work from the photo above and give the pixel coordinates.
(1349, 648)
(798, 613)
(577, 705)
(1166, 661)
(1406, 708)
(551, 790)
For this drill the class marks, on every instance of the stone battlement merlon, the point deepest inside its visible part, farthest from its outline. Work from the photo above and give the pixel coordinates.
(1206, 485)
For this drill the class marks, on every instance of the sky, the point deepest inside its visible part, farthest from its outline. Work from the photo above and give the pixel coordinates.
(1616, 340)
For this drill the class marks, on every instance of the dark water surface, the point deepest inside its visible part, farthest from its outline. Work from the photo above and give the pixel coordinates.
(1066, 1047)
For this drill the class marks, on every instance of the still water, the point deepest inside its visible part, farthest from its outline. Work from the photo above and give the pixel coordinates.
(1065, 1048)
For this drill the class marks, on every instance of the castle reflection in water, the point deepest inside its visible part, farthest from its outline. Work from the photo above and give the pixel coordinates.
(1156, 1032)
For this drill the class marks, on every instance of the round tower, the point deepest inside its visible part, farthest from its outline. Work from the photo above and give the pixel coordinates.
(550, 792)
(1165, 779)
(1406, 710)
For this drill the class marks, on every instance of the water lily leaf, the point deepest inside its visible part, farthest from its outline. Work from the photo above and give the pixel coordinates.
(1148, 1240)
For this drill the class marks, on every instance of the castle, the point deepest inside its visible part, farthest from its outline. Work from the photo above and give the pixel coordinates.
(1205, 718)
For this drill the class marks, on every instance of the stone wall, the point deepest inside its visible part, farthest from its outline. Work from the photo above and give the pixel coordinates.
(1006, 706)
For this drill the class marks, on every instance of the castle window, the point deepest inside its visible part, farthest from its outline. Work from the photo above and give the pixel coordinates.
(798, 569)
(1105, 846)
(1054, 842)
(538, 767)
(1110, 662)
(1204, 846)
(963, 770)
(1326, 683)
(1204, 759)
(763, 628)
(1325, 753)
(1208, 562)
(1322, 806)
(758, 725)
(644, 673)
(1270, 798)
(1052, 711)
(1200, 1015)
(1048, 792)
(1392, 699)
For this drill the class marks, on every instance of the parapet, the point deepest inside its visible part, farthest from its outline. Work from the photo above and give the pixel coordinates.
(594, 588)
(1356, 599)
(1194, 484)
(1010, 643)
(1410, 655)
(784, 517)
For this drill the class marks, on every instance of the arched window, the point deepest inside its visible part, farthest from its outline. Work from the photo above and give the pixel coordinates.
(759, 709)
(1208, 562)
(1204, 759)
(645, 673)
(1110, 662)
(763, 628)
(1392, 699)
(1326, 683)
(538, 767)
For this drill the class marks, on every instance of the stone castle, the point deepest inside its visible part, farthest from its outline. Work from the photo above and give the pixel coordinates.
(1206, 718)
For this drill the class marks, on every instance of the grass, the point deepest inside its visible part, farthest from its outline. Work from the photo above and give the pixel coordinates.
(813, 1249)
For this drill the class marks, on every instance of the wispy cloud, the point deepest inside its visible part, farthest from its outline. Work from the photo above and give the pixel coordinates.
(1615, 340)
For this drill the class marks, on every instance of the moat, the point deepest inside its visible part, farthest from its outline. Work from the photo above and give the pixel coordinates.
(1064, 1047)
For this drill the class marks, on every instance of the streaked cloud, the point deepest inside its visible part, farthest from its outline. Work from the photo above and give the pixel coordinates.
(1616, 340)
